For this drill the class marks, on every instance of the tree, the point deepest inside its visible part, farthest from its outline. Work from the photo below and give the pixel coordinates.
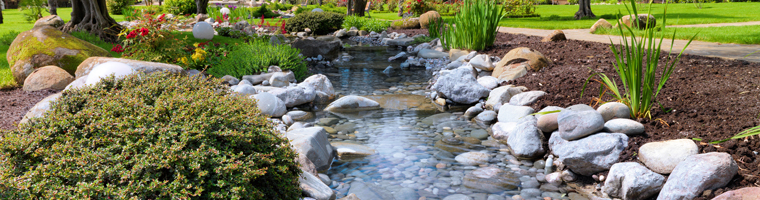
(201, 5)
(356, 7)
(584, 9)
(53, 4)
(400, 8)
(92, 16)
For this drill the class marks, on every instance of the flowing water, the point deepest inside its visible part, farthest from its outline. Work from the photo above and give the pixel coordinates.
(414, 143)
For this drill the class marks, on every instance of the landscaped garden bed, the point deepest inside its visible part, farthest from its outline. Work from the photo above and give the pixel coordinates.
(707, 98)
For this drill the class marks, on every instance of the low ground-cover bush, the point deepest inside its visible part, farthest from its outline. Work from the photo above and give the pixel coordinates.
(157, 136)
(257, 56)
(519, 8)
(319, 22)
(366, 24)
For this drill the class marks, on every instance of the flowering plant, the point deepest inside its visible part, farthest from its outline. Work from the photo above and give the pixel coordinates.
(150, 40)
(418, 7)
(205, 54)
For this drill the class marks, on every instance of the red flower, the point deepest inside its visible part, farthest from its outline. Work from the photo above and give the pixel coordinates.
(161, 18)
(132, 34)
(117, 48)
(283, 27)
(143, 31)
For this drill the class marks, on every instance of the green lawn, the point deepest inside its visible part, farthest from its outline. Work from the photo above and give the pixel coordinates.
(561, 16)
(725, 34)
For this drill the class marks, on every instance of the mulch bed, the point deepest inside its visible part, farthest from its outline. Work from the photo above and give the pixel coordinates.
(14, 103)
(710, 98)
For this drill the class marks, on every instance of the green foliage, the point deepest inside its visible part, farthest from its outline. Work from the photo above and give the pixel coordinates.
(640, 85)
(263, 10)
(434, 28)
(32, 9)
(7, 38)
(257, 56)
(474, 27)
(94, 39)
(746, 133)
(416, 7)
(572, 2)
(319, 22)
(206, 54)
(180, 7)
(367, 24)
(281, 6)
(325, 7)
(155, 136)
(116, 7)
(519, 8)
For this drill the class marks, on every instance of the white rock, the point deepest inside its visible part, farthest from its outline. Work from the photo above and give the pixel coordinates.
(101, 71)
(352, 104)
(613, 110)
(312, 143)
(591, 154)
(626, 126)
(269, 104)
(510, 113)
(526, 98)
(489, 82)
(578, 124)
(663, 157)
(502, 95)
(203, 30)
(482, 62)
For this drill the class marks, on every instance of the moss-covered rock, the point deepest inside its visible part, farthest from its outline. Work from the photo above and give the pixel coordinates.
(408, 23)
(45, 45)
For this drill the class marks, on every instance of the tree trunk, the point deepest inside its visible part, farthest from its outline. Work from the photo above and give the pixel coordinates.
(359, 7)
(53, 4)
(92, 16)
(584, 10)
(201, 4)
(349, 5)
(318, 2)
(1, 16)
(400, 8)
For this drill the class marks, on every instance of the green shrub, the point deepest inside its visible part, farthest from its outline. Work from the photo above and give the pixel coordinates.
(572, 2)
(519, 8)
(475, 25)
(156, 136)
(319, 22)
(115, 7)
(32, 9)
(257, 56)
(366, 24)
(180, 7)
(263, 10)
(7, 38)
(325, 7)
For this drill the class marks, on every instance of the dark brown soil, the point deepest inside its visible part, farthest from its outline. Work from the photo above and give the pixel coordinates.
(710, 98)
(14, 104)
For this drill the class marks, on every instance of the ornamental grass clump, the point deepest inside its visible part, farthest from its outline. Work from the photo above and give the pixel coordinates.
(156, 136)
(637, 64)
(257, 56)
(475, 26)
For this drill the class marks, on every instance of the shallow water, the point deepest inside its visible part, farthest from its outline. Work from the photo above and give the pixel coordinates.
(408, 164)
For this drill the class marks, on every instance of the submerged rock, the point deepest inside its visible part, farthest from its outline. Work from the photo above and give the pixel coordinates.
(491, 180)
(352, 104)
(350, 150)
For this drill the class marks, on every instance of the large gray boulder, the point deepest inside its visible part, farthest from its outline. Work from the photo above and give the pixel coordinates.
(698, 173)
(314, 48)
(312, 143)
(631, 180)
(313, 187)
(460, 85)
(269, 104)
(578, 124)
(526, 139)
(591, 154)
(281, 79)
(662, 157)
(293, 96)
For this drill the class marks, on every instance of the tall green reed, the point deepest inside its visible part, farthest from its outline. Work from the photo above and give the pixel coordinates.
(474, 27)
(637, 64)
